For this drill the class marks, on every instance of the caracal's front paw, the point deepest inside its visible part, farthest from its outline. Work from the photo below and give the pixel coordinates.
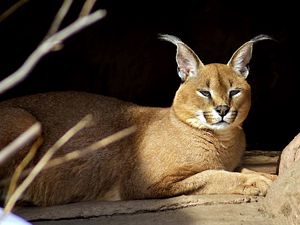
(267, 175)
(253, 184)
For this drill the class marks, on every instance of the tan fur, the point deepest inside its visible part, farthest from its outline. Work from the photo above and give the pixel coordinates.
(184, 149)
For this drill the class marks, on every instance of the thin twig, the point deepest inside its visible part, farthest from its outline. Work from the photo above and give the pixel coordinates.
(87, 7)
(20, 141)
(52, 39)
(82, 152)
(46, 47)
(44, 160)
(26, 160)
(12, 9)
(59, 18)
(91, 148)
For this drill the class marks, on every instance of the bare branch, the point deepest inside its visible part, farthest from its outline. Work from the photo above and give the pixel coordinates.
(46, 47)
(52, 39)
(91, 148)
(44, 160)
(82, 152)
(87, 7)
(59, 18)
(18, 171)
(12, 9)
(20, 141)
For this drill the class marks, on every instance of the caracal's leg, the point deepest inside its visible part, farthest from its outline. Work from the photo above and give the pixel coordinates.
(213, 182)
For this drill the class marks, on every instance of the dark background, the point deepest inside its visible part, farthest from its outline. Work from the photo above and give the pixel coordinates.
(121, 55)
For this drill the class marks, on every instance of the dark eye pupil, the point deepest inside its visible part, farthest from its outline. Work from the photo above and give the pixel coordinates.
(233, 92)
(205, 93)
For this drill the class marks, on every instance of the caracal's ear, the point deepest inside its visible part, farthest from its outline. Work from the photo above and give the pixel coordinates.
(241, 57)
(187, 61)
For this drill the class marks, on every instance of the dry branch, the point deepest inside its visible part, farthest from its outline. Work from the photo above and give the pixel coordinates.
(44, 160)
(20, 141)
(12, 9)
(87, 7)
(82, 152)
(17, 173)
(62, 12)
(52, 39)
(46, 46)
(93, 147)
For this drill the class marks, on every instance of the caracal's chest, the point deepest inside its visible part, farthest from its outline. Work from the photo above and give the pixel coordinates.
(178, 145)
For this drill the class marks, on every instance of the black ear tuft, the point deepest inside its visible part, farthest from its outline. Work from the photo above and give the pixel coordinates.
(240, 59)
(261, 37)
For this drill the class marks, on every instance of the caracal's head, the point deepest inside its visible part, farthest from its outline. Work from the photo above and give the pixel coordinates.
(214, 96)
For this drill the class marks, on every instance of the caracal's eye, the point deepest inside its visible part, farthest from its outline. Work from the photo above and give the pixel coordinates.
(204, 93)
(234, 92)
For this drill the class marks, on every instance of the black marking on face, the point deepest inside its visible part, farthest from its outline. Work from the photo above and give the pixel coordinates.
(207, 83)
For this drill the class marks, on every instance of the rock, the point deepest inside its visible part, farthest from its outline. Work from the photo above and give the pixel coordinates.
(290, 154)
(283, 198)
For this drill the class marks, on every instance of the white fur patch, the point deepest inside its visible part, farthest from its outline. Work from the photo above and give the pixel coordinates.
(219, 126)
(199, 121)
(216, 115)
(201, 117)
(230, 117)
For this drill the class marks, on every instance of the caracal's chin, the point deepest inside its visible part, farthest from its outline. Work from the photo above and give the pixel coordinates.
(222, 125)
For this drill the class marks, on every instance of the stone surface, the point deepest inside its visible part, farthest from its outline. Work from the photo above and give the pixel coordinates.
(109, 208)
(262, 161)
(283, 198)
(205, 209)
(290, 154)
(232, 214)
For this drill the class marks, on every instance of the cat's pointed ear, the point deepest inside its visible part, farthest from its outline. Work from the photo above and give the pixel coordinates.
(241, 57)
(187, 61)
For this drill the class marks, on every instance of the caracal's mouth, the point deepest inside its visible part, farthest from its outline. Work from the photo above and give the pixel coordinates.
(212, 120)
(220, 125)
(198, 123)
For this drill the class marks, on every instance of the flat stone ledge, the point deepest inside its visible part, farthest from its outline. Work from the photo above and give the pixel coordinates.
(107, 208)
(219, 214)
